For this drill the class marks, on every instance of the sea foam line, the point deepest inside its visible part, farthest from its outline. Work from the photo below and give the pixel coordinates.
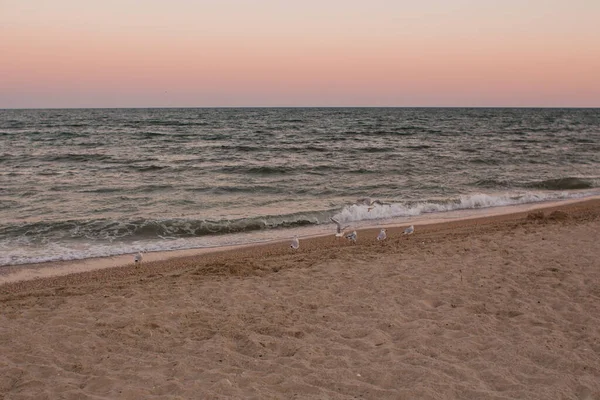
(22, 252)
(359, 212)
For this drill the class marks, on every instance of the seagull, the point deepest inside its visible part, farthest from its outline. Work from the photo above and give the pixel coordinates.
(382, 235)
(409, 230)
(340, 230)
(352, 236)
(295, 243)
(138, 257)
(367, 201)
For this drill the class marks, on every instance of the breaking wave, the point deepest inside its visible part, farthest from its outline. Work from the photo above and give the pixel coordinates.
(78, 239)
(355, 213)
(562, 184)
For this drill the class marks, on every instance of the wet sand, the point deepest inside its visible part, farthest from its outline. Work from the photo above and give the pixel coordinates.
(499, 307)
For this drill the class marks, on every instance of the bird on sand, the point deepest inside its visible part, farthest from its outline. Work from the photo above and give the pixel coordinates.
(137, 258)
(409, 230)
(382, 235)
(295, 243)
(340, 230)
(352, 236)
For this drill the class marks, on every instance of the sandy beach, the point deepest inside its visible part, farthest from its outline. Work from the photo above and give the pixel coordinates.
(502, 307)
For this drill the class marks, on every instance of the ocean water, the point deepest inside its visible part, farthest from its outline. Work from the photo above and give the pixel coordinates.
(100, 182)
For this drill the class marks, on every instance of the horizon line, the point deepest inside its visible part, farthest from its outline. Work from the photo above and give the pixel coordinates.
(286, 107)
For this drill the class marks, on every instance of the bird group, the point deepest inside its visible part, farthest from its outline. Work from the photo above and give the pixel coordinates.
(295, 245)
(352, 235)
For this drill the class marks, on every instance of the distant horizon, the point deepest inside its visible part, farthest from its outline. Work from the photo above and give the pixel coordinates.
(266, 53)
(294, 107)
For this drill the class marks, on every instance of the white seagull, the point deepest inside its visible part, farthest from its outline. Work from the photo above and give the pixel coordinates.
(382, 235)
(367, 201)
(340, 230)
(409, 230)
(137, 258)
(295, 243)
(352, 236)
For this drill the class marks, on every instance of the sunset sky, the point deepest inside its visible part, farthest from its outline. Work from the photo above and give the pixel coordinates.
(214, 53)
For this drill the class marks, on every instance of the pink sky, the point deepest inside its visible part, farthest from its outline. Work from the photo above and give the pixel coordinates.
(185, 53)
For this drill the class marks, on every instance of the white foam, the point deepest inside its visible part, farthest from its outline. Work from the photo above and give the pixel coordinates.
(26, 253)
(23, 252)
(356, 213)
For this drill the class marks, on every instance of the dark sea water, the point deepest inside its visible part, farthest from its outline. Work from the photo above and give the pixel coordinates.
(97, 182)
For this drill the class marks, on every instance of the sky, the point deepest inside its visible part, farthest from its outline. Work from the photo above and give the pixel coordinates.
(326, 53)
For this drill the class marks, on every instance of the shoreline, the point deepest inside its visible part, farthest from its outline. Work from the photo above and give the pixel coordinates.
(42, 269)
(430, 223)
(506, 306)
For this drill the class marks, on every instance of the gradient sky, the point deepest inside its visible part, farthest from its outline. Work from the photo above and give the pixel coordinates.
(212, 53)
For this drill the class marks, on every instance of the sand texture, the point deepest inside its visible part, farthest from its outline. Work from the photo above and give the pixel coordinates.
(493, 308)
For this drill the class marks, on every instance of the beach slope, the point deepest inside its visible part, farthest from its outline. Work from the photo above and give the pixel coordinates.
(492, 308)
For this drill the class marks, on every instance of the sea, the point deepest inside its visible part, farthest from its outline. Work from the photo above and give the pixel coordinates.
(82, 183)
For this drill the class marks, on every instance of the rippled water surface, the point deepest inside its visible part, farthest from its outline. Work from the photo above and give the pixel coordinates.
(81, 183)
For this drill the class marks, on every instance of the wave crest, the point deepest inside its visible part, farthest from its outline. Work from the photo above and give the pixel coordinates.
(568, 183)
(355, 213)
(76, 239)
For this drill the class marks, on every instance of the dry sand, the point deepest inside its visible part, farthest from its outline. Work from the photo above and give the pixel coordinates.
(505, 307)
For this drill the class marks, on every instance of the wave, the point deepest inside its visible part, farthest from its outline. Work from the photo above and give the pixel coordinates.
(372, 150)
(162, 122)
(77, 157)
(491, 183)
(258, 170)
(242, 148)
(484, 161)
(148, 168)
(356, 213)
(148, 228)
(289, 149)
(568, 183)
(78, 239)
(317, 149)
(137, 229)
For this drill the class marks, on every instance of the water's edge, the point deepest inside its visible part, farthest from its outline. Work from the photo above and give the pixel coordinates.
(31, 271)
